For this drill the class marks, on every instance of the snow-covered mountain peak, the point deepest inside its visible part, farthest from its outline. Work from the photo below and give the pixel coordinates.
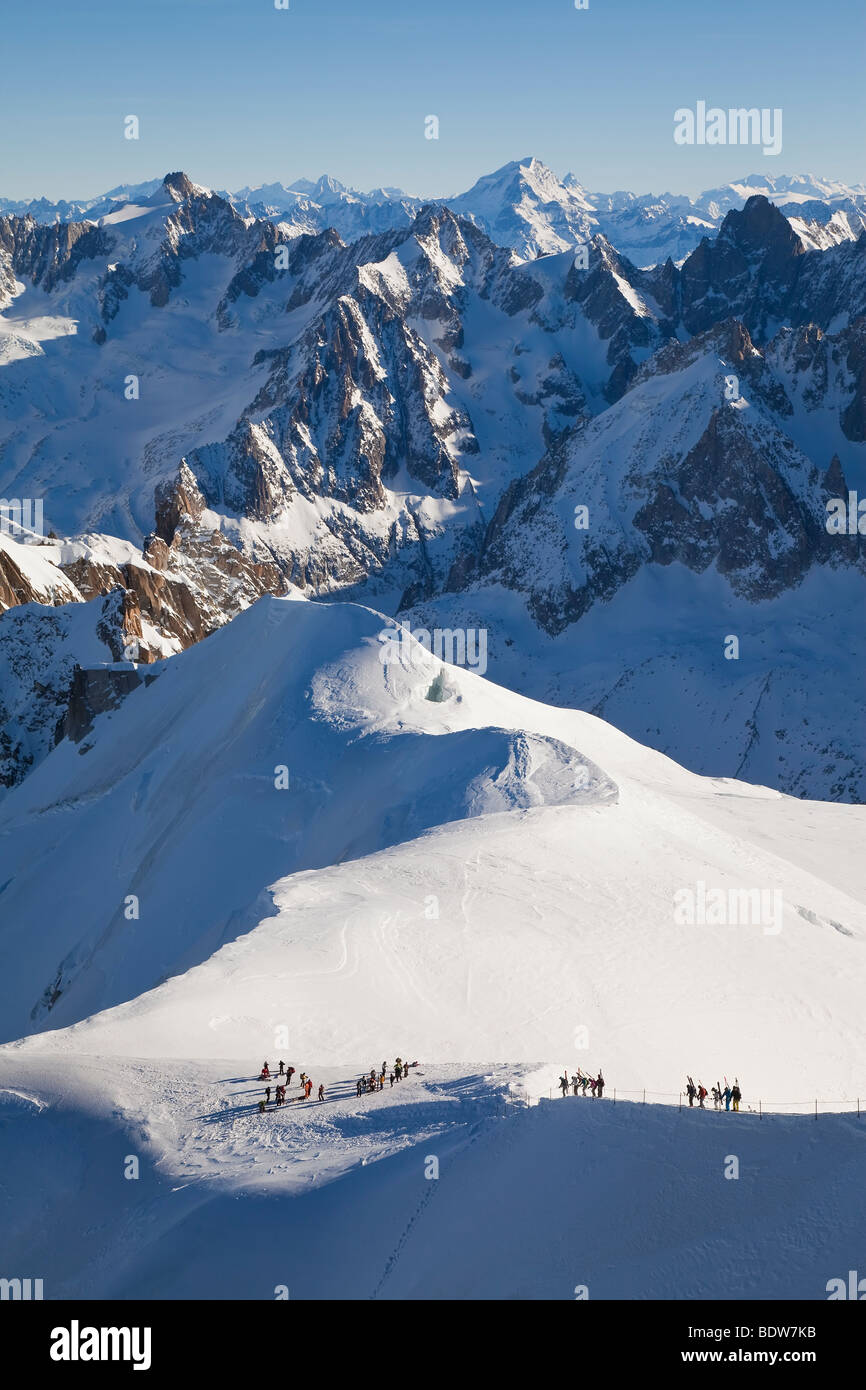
(525, 205)
(789, 188)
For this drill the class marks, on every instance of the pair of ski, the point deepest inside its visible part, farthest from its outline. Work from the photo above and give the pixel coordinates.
(718, 1085)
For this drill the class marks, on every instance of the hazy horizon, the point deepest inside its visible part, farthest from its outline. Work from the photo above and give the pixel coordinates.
(286, 180)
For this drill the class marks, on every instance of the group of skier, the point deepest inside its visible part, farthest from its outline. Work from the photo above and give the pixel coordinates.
(595, 1083)
(366, 1085)
(280, 1088)
(727, 1095)
(731, 1095)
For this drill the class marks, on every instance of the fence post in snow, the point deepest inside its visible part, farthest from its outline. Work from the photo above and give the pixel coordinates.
(760, 1111)
(816, 1108)
(644, 1096)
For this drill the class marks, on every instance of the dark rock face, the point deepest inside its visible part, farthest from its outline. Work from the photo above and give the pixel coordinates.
(834, 479)
(727, 504)
(92, 693)
(48, 255)
(40, 648)
(748, 272)
(596, 291)
(179, 186)
(758, 270)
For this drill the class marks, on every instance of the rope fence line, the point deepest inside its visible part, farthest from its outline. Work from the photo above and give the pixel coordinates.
(764, 1107)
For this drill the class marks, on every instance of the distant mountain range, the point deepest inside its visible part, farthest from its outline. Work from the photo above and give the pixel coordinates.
(523, 205)
(216, 401)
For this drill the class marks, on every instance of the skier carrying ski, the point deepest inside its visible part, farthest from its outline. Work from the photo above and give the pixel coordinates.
(702, 1094)
(727, 1094)
(736, 1094)
(691, 1090)
(308, 1088)
(563, 1085)
(290, 1071)
(599, 1084)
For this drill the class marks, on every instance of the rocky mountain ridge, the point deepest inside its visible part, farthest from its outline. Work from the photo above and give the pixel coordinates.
(413, 419)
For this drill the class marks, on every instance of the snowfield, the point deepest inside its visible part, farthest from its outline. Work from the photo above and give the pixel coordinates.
(288, 844)
(440, 1188)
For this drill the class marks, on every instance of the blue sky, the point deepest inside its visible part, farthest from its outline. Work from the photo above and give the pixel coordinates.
(237, 92)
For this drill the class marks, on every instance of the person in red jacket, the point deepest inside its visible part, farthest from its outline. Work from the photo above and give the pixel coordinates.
(308, 1087)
